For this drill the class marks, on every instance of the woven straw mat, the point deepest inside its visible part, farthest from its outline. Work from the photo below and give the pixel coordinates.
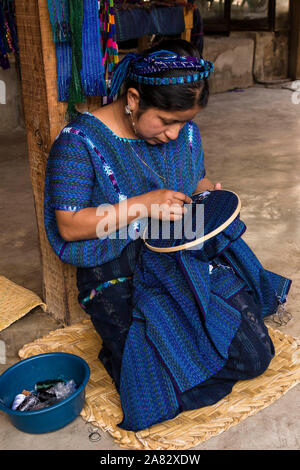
(15, 302)
(188, 429)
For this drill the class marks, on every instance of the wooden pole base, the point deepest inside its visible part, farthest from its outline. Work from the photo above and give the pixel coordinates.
(44, 118)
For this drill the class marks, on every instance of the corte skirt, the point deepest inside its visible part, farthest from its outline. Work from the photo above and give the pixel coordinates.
(109, 305)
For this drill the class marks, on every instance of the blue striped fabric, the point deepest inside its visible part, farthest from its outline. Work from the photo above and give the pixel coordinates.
(225, 285)
(183, 322)
(89, 165)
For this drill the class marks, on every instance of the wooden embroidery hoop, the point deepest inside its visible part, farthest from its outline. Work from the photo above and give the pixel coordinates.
(206, 237)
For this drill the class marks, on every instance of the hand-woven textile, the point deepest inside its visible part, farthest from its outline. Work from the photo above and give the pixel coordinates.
(92, 71)
(181, 329)
(75, 89)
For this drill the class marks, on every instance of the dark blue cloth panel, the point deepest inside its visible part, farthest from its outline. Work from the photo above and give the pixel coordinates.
(250, 351)
(134, 23)
(250, 354)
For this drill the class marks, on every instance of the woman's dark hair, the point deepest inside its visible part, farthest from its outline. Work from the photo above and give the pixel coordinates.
(177, 97)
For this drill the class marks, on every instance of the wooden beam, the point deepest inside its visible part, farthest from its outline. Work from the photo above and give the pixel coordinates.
(143, 43)
(44, 118)
(294, 53)
(189, 22)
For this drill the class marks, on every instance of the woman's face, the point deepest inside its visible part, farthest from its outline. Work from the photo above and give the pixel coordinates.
(158, 126)
(155, 125)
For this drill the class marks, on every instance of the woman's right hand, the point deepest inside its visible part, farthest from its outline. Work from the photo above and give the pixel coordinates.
(165, 204)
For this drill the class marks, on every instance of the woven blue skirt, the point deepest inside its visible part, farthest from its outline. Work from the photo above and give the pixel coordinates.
(109, 307)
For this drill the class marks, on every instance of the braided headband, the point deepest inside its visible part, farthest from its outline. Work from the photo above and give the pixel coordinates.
(137, 67)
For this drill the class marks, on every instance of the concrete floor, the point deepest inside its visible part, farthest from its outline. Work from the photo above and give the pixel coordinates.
(252, 145)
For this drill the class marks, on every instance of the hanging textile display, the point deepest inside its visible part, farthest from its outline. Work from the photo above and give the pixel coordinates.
(108, 41)
(80, 64)
(93, 73)
(8, 34)
(60, 25)
(134, 21)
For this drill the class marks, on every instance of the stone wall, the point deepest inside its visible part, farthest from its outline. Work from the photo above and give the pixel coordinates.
(244, 58)
(270, 54)
(240, 60)
(233, 62)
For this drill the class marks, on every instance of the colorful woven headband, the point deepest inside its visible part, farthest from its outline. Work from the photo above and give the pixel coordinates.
(138, 68)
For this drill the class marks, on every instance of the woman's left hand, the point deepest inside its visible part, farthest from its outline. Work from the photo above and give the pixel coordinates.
(218, 186)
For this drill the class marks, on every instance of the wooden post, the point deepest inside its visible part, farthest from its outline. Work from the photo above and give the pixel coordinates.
(143, 43)
(44, 118)
(189, 22)
(294, 54)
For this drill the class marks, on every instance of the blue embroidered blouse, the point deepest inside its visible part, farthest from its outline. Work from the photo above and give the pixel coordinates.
(89, 165)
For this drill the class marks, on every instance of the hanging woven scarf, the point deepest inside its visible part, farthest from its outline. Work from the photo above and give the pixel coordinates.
(87, 51)
(75, 91)
(59, 18)
(93, 73)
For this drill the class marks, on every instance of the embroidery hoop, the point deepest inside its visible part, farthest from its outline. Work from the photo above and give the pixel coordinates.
(204, 238)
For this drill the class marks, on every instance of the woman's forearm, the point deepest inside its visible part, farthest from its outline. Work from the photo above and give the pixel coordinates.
(96, 222)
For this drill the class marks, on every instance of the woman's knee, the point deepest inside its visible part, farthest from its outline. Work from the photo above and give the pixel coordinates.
(255, 352)
(260, 364)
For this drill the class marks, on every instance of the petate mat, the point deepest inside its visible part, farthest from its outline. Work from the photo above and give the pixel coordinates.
(15, 302)
(190, 428)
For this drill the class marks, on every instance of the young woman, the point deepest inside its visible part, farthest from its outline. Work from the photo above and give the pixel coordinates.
(145, 149)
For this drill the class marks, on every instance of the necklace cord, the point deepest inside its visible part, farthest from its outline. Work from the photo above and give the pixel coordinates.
(128, 112)
(164, 155)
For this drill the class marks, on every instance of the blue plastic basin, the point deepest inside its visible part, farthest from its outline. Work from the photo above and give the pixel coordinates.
(24, 375)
